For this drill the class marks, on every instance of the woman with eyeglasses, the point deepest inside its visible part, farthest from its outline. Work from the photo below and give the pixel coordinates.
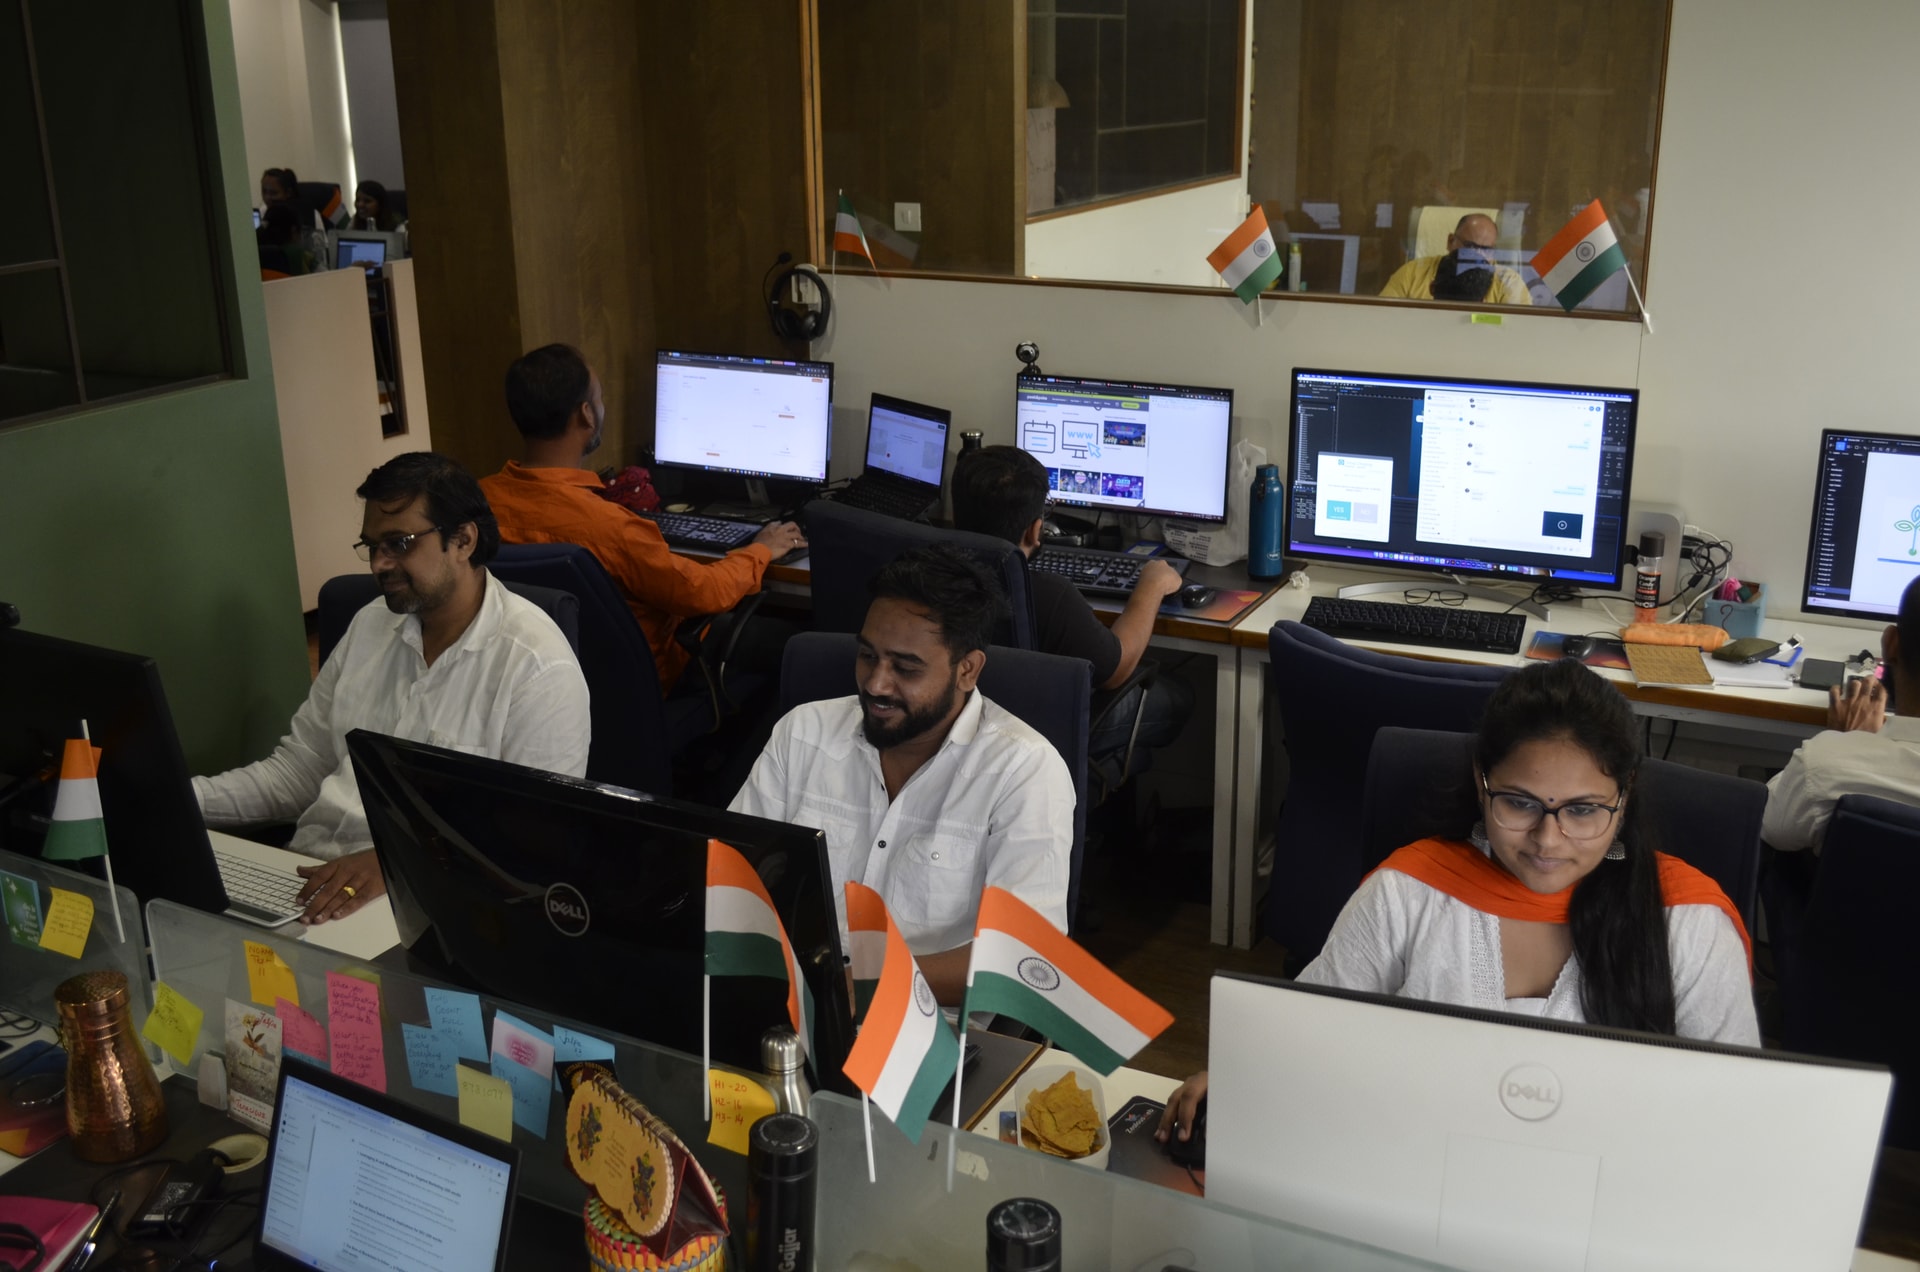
(1558, 905)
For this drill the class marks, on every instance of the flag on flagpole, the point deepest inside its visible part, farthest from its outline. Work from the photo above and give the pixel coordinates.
(906, 1051)
(1248, 259)
(867, 929)
(1022, 966)
(746, 938)
(1580, 257)
(848, 236)
(78, 830)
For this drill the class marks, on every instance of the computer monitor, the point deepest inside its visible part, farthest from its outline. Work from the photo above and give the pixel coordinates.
(748, 417)
(1494, 1142)
(1484, 478)
(1863, 548)
(907, 439)
(588, 900)
(1152, 449)
(155, 833)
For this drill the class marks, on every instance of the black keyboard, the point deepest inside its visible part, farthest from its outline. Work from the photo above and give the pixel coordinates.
(1401, 624)
(871, 493)
(689, 530)
(1097, 572)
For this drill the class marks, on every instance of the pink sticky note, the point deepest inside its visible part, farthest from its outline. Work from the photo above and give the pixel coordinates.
(353, 1028)
(299, 1031)
(521, 1046)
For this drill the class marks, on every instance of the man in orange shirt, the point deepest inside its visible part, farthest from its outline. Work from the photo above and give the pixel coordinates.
(549, 496)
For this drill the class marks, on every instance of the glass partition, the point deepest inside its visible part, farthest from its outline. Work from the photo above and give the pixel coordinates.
(30, 973)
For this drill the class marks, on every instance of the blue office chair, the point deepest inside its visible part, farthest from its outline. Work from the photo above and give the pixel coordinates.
(1332, 698)
(846, 547)
(1420, 783)
(346, 595)
(1048, 692)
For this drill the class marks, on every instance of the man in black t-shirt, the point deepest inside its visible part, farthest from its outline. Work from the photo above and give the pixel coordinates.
(1002, 491)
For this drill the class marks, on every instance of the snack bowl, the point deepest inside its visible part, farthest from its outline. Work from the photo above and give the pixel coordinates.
(1042, 1076)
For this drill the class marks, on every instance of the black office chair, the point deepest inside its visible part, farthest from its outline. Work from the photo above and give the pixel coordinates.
(846, 547)
(1420, 784)
(323, 199)
(345, 595)
(1048, 692)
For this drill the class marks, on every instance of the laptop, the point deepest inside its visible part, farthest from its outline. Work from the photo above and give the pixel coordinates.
(357, 1179)
(906, 451)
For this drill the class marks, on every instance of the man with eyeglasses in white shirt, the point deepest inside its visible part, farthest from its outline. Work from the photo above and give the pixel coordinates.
(449, 657)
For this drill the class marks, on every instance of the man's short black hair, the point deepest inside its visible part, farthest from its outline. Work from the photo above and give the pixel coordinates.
(284, 178)
(998, 490)
(952, 586)
(544, 389)
(1909, 627)
(453, 496)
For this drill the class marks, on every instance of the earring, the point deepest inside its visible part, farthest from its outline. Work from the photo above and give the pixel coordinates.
(1617, 851)
(1478, 838)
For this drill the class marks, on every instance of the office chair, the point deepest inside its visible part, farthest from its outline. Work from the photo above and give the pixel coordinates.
(1048, 692)
(1332, 698)
(323, 198)
(1433, 223)
(345, 595)
(846, 547)
(1420, 784)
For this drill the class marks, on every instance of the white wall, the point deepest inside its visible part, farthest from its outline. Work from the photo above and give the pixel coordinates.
(1784, 143)
(367, 50)
(293, 106)
(1163, 239)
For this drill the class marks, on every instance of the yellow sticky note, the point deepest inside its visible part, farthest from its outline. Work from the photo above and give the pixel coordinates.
(486, 1102)
(1486, 320)
(268, 976)
(174, 1025)
(738, 1102)
(69, 919)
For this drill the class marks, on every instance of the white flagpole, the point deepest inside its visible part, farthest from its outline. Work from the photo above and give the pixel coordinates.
(833, 253)
(1639, 300)
(866, 1115)
(113, 892)
(706, 1047)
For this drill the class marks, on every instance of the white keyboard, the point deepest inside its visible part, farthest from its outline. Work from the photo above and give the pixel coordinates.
(259, 891)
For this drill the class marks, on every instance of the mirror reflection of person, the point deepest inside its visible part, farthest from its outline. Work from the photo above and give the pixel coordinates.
(1466, 272)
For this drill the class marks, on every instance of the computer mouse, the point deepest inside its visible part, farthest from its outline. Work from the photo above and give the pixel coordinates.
(1192, 1151)
(1194, 595)
(1575, 646)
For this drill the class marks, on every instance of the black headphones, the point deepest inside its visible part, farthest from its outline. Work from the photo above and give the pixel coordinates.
(791, 321)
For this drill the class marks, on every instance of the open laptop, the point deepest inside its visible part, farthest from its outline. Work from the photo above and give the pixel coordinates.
(906, 452)
(357, 1179)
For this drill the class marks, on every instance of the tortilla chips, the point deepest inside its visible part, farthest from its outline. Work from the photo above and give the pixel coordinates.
(1061, 1120)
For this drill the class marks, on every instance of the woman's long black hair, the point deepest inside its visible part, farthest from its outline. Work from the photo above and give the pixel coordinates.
(1618, 919)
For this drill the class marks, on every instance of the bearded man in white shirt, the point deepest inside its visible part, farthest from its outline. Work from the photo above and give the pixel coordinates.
(449, 657)
(927, 792)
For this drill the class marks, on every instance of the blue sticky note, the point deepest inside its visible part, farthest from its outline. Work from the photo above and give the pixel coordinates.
(570, 1045)
(457, 1016)
(531, 1094)
(430, 1059)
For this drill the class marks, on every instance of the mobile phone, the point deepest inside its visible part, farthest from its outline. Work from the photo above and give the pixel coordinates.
(1821, 673)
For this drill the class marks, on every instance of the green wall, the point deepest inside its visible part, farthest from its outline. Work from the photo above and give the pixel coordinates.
(160, 525)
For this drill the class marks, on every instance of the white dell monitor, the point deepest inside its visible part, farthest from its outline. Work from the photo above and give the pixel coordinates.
(1496, 1143)
(743, 416)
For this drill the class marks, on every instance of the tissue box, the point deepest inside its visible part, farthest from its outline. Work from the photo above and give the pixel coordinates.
(1740, 618)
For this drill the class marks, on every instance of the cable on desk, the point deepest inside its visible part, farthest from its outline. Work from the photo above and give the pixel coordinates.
(14, 1024)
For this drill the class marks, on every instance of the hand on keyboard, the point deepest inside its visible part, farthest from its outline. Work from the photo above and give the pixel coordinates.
(1157, 580)
(337, 888)
(781, 537)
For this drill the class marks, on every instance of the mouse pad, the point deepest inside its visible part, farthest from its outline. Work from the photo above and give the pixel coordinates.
(1137, 1155)
(1225, 606)
(1605, 651)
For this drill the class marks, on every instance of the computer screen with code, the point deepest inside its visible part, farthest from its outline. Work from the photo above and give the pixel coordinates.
(1864, 545)
(751, 417)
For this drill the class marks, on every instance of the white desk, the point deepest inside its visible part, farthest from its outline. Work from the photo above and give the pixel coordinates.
(366, 933)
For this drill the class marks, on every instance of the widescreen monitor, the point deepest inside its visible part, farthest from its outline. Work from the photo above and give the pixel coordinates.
(1151, 449)
(743, 416)
(587, 900)
(1864, 545)
(1483, 478)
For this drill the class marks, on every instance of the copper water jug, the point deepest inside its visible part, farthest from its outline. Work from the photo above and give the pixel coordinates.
(114, 1107)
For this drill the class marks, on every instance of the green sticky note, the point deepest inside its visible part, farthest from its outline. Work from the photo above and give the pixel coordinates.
(1486, 320)
(174, 1026)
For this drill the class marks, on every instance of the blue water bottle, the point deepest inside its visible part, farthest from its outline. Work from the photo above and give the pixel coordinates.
(1267, 523)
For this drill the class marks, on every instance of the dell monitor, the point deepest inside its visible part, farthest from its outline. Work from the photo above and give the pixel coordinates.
(1497, 479)
(1155, 450)
(588, 900)
(1863, 548)
(742, 416)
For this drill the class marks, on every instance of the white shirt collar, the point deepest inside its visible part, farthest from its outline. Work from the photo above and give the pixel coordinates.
(479, 632)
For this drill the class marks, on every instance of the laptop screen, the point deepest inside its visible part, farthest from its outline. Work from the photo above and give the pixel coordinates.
(352, 1186)
(365, 253)
(907, 439)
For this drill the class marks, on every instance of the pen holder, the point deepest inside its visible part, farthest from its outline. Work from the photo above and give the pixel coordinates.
(1740, 618)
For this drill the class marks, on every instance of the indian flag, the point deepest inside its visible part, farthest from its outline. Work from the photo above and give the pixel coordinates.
(847, 234)
(78, 830)
(745, 936)
(906, 1053)
(867, 929)
(1248, 260)
(1580, 257)
(1022, 966)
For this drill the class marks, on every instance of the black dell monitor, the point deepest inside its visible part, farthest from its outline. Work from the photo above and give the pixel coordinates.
(155, 833)
(589, 901)
(1863, 548)
(1132, 446)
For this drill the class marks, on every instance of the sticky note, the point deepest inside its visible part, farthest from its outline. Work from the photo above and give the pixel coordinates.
(269, 979)
(174, 1025)
(570, 1045)
(20, 898)
(353, 1031)
(532, 1091)
(457, 1015)
(738, 1102)
(300, 1033)
(69, 919)
(1486, 320)
(430, 1059)
(521, 1043)
(486, 1102)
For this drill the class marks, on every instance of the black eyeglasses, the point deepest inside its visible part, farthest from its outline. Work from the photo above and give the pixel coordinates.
(1439, 596)
(1511, 810)
(394, 545)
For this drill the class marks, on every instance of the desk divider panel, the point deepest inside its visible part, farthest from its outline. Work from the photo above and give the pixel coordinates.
(30, 974)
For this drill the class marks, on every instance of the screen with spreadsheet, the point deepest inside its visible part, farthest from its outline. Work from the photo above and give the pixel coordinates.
(1152, 449)
(1864, 545)
(1486, 478)
(753, 417)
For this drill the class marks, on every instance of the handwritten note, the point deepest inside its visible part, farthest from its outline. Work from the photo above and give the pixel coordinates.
(269, 979)
(430, 1059)
(521, 1043)
(174, 1025)
(353, 1031)
(457, 1015)
(738, 1102)
(570, 1045)
(300, 1032)
(486, 1102)
(69, 919)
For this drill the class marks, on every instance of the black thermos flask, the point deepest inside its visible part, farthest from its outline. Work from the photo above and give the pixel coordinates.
(1023, 1235)
(783, 1155)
